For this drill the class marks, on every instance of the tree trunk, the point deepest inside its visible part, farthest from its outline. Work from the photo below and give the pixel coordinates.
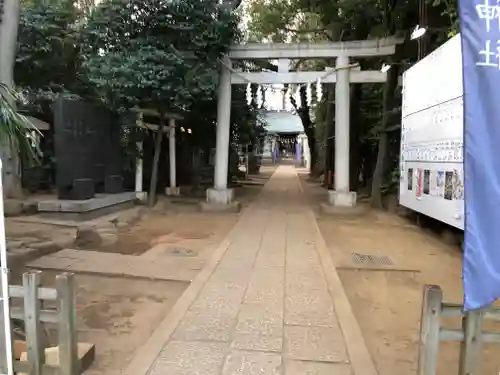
(379, 173)
(329, 131)
(303, 112)
(9, 23)
(156, 160)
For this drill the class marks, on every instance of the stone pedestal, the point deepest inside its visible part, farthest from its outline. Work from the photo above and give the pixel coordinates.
(342, 199)
(220, 200)
(342, 203)
(172, 191)
(142, 196)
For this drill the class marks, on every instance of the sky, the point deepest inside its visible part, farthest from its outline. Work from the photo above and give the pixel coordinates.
(274, 95)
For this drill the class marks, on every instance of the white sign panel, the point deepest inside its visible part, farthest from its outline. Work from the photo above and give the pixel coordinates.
(431, 162)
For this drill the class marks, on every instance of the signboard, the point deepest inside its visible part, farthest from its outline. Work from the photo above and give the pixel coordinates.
(480, 29)
(431, 162)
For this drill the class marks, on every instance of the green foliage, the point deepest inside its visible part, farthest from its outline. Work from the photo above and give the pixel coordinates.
(15, 128)
(48, 58)
(156, 54)
(449, 9)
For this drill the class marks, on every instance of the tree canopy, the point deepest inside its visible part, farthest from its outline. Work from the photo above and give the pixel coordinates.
(156, 54)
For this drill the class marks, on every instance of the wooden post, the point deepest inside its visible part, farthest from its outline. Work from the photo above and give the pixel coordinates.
(429, 330)
(470, 347)
(33, 328)
(156, 160)
(68, 351)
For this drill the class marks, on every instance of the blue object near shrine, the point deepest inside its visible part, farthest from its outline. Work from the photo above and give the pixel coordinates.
(480, 33)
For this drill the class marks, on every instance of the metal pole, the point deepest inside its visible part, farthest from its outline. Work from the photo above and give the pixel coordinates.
(4, 278)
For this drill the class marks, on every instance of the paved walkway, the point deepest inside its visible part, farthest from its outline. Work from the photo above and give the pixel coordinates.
(270, 302)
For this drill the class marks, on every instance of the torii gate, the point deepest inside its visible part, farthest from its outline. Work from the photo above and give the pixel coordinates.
(220, 197)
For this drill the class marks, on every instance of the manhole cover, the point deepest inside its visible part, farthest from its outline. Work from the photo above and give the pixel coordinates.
(182, 252)
(371, 260)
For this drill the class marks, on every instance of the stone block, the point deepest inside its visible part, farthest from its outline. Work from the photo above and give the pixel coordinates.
(46, 247)
(113, 184)
(252, 363)
(172, 191)
(233, 207)
(206, 326)
(329, 209)
(142, 196)
(342, 199)
(323, 344)
(311, 307)
(87, 236)
(316, 368)
(82, 189)
(257, 342)
(30, 207)
(264, 319)
(190, 358)
(12, 207)
(220, 196)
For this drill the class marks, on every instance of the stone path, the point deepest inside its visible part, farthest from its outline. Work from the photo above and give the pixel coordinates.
(270, 302)
(111, 264)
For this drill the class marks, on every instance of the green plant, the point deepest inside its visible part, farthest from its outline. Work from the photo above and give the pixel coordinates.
(15, 128)
(392, 185)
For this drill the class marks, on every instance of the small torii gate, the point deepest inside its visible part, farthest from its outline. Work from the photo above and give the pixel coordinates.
(220, 197)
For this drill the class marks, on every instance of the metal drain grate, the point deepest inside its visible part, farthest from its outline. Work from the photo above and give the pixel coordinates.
(371, 260)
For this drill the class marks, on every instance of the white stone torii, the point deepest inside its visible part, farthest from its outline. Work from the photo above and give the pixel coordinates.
(220, 197)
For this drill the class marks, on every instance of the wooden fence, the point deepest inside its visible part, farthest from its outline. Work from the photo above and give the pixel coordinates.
(471, 336)
(34, 315)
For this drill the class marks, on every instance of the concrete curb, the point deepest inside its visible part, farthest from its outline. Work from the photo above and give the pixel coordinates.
(145, 356)
(361, 360)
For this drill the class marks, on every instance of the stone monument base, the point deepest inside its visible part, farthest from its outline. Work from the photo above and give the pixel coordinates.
(172, 191)
(220, 201)
(142, 196)
(328, 209)
(88, 209)
(342, 203)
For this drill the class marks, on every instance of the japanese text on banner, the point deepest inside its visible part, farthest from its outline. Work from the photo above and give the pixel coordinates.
(489, 12)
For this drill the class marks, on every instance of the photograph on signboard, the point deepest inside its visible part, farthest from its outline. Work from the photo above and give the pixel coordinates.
(427, 181)
(448, 186)
(418, 192)
(410, 178)
(458, 186)
(440, 183)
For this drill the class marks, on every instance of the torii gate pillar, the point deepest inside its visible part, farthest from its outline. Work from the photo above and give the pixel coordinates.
(220, 198)
(342, 196)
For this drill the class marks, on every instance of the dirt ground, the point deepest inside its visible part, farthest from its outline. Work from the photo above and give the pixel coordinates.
(118, 315)
(387, 299)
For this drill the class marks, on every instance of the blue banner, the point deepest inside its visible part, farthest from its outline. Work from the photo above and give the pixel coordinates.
(480, 33)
